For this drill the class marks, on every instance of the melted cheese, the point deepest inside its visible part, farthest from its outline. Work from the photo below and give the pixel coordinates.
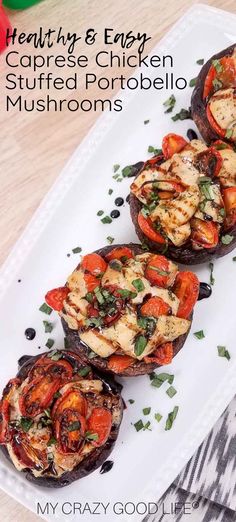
(223, 109)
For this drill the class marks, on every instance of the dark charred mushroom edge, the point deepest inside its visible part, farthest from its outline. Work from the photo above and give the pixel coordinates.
(140, 323)
(59, 419)
(207, 180)
(215, 78)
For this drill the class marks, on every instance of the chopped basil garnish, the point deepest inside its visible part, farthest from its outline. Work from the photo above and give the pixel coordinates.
(140, 344)
(83, 372)
(170, 103)
(146, 411)
(148, 324)
(55, 355)
(94, 322)
(127, 171)
(49, 344)
(131, 401)
(92, 354)
(158, 417)
(47, 413)
(217, 65)
(229, 133)
(183, 114)
(159, 271)
(115, 265)
(48, 327)
(106, 220)
(154, 150)
(76, 250)
(110, 191)
(199, 335)
(26, 423)
(171, 417)
(89, 435)
(234, 258)
(116, 167)
(100, 212)
(158, 379)
(147, 426)
(217, 84)
(45, 309)
(200, 61)
(212, 279)
(89, 297)
(138, 284)
(193, 82)
(52, 441)
(222, 212)
(146, 122)
(99, 295)
(110, 240)
(222, 352)
(227, 239)
(171, 391)
(139, 425)
(74, 426)
(127, 293)
(57, 395)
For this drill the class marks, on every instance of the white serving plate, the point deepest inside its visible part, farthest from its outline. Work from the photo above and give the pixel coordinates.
(145, 462)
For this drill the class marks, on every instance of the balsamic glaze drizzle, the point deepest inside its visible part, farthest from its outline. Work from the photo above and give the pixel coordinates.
(106, 466)
(205, 291)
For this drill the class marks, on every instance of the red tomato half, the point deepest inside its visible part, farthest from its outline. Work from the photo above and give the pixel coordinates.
(119, 363)
(172, 143)
(71, 399)
(157, 271)
(94, 264)
(148, 229)
(100, 423)
(70, 429)
(162, 355)
(38, 395)
(186, 288)
(120, 253)
(224, 72)
(54, 298)
(154, 307)
(45, 365)
(204, 233)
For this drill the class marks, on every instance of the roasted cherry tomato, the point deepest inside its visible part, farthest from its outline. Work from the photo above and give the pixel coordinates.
(27, 455)
(154, 307)
(54, 298)
(70, 429)
(94, 264)
(148, 229)
(4, 420)
(71, 399)
(229, 197)
(209, 162)
(121, 253)
(186, 288)
(172, 143)
(214, 125)
(204, 233)
(91, 282)
(45, 365)
(100, 423)
(119, 363)
(157, 271)
(38, 395)
(224, 72)
(162, 355)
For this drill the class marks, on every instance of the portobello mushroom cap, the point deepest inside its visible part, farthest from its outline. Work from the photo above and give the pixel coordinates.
(73, 342)
(198, 105)
(99, 454)
(184, 254)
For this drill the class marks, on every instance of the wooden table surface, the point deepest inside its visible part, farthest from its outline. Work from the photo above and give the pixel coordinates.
(35, 146)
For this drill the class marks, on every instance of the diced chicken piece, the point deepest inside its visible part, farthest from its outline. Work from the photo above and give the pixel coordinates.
(76, 283)
(228, 170)
(211, 207)
(173, 214)
(81, 304)
(223, 109)
(114, 277)
(99, 342)
(172, 327)
(123, 333)
(85, 385)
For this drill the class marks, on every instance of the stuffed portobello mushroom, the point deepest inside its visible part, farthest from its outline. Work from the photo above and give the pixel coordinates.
(126, 311)
(59, 418)
(183, 202)
(213, 104)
